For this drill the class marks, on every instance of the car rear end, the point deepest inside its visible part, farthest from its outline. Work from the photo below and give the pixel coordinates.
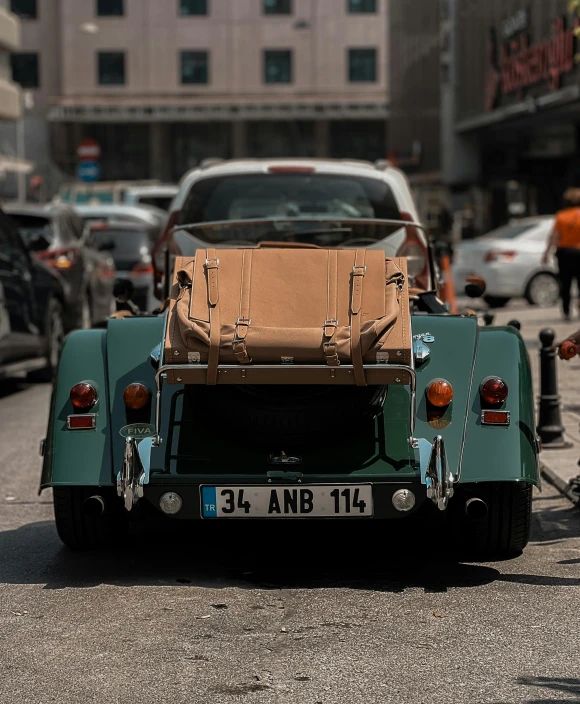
(130, 246)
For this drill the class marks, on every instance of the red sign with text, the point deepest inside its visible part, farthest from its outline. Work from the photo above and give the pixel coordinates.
(522, 65)
(89, 150)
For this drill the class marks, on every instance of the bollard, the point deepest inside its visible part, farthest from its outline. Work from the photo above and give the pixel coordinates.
(515, 324)
(550, 428)
(488, 319)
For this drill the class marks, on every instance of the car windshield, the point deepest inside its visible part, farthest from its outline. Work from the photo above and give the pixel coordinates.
(510, 232)
(123, 242)
(288, 195)
(319, 232)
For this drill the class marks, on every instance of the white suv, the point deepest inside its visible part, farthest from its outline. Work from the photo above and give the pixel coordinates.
(327, 203)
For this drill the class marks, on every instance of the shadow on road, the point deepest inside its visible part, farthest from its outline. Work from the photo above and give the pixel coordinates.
(10, 387)
(288, 556)
(566, 685)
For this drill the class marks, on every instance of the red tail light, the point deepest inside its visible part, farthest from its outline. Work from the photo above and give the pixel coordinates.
(63, 258)
(158, 254)
(83, 396)
(494, 390)
(142, 268)
(499, 255)
(417, 254)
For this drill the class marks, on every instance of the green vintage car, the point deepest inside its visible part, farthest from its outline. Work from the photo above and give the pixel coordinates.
(455, 447)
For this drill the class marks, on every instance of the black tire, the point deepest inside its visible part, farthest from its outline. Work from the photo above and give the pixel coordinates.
(543, 290)
(54, 337)
(292, 415)
(496, 301)
(504, 532)
(80, 530)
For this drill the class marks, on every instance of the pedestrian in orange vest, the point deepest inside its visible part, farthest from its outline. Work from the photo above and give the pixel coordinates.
(565, 240)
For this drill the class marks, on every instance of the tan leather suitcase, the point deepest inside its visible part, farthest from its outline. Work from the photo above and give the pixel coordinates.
(252, 308)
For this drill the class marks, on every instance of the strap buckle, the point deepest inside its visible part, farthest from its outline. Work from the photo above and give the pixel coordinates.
(332, 323)
(359, 270)
(212, 263)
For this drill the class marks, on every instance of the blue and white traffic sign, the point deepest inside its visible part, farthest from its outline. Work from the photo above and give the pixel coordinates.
(89, 171)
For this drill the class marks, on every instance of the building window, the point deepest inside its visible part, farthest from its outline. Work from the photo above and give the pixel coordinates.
(194, 67)
(110, 8)
(356, 7)
(278, 66)
(192, 7)
(25, 70)
(277, 7)
(24, 8)
(111, 68)
(362, 65)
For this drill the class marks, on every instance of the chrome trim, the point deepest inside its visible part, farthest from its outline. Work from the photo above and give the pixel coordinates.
(162, 374)
(82, 415)
(132, 477)
(438, 478)
(499, 425)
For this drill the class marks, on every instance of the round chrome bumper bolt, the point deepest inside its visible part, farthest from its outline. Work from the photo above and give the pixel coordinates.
(170, 503)
(403, 500)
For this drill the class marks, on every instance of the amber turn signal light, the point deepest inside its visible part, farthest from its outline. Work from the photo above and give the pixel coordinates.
(136, 396)
(83, 396)
(440, 393)
(494, 390)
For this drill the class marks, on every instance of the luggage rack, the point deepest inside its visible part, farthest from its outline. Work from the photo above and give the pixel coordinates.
(277, 374)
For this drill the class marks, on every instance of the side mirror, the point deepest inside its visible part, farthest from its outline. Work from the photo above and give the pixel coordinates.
(475, 287)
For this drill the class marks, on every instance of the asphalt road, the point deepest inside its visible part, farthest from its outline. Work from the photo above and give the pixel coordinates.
(293, 615)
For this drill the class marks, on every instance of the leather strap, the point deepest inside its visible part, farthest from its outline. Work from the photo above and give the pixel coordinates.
(243, 322)
(211, 272)
(330, 346)
(358, 274)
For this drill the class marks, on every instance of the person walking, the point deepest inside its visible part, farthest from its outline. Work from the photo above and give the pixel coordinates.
(565, 240)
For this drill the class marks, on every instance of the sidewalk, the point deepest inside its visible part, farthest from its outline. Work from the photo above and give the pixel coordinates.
(559, 467)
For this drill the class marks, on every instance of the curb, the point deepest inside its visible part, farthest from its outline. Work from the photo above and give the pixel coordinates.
(562, 485)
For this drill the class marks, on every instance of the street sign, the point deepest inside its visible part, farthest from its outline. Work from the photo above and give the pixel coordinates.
(88, 171)
(89, 150)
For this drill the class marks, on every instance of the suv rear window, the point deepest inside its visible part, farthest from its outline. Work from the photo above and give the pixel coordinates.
(290, 195)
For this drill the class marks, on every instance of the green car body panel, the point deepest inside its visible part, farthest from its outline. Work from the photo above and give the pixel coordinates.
(461, 352)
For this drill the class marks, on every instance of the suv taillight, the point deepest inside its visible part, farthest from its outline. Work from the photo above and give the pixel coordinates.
(417, 254)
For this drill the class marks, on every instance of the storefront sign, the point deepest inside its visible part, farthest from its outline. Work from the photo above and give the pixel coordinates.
(521, 65)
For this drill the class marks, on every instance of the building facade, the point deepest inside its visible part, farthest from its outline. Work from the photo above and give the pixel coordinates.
(10, 100)
(416, 97)
(164, 84)
(519, 101)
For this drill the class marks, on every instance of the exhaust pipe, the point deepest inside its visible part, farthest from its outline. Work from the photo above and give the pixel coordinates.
(476, 509)
(94, 506)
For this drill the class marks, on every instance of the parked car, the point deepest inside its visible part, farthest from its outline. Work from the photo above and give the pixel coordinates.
(58, 236)
(157, 196)
(509, 259)
(436, 433)
(144, 214)
(32, 300)
(130, 246)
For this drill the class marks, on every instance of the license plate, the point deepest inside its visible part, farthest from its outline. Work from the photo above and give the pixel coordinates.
(312, 501)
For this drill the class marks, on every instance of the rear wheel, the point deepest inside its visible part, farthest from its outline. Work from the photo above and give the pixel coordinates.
(496, 301)
(501, 533)
(79, 521)
(543, 290)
